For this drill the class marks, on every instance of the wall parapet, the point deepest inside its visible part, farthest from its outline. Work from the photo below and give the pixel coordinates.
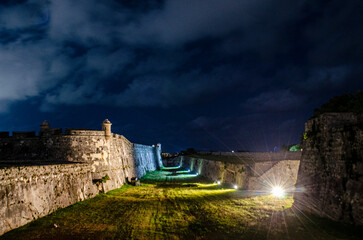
(84, 132)
(331, 120)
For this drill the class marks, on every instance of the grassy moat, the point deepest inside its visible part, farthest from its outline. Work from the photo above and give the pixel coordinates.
(172, 205)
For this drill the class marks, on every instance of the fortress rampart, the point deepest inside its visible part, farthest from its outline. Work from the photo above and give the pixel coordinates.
(331, 170)
(56, 169)
(40, 173)
(255, 171)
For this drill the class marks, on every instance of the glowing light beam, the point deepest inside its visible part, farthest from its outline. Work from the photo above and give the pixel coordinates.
(277, 191)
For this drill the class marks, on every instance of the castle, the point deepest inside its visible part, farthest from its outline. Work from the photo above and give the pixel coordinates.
(58, 169)
(75, 145)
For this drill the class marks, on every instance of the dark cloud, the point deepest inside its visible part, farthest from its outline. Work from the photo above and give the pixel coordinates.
(25, 71)
(253, 132)
(335, 35)
(208, 58)
(184, 88)
(276, 101)
(25, 15)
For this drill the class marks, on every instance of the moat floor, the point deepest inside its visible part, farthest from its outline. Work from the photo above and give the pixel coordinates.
(177, 205)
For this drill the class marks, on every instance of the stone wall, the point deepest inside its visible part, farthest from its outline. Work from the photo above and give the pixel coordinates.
(116, 156)
(27, 193)
(16, 147)
(283, 173)
(255, 174)
(147, 158)
(330, 174)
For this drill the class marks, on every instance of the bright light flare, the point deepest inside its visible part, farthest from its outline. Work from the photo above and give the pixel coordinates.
(218, 182)
(235, 186)
(277, 191)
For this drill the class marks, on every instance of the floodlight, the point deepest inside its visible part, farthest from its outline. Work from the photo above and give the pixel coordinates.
(277, 191)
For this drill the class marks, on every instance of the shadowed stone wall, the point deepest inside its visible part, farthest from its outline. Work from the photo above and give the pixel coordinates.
(331, 169)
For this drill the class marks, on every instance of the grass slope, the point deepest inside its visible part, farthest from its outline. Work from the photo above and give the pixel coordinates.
(181, 206)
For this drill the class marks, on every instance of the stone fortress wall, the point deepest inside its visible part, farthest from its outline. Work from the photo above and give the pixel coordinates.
(247, 170)
(329, 176)
(71, 167)
(56, 170)
(331, 170)
(30, 192)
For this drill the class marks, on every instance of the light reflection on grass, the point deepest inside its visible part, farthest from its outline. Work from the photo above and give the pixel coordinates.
(170, 168)
(180, 206)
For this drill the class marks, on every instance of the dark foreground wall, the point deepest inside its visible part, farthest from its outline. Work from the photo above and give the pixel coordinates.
(331, 168)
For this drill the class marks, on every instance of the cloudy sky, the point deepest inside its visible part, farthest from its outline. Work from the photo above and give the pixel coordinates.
(208, 74)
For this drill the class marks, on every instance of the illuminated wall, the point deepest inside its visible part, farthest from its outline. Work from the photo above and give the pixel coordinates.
(66, 168)
(257, 171)
(147, 158)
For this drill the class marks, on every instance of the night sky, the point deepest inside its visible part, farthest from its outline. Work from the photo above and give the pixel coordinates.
(208, 74)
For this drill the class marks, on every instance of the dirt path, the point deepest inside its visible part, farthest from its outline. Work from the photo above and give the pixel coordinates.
(181, 208)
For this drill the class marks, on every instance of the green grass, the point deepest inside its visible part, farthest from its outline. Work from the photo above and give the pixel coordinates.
(171, 206)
